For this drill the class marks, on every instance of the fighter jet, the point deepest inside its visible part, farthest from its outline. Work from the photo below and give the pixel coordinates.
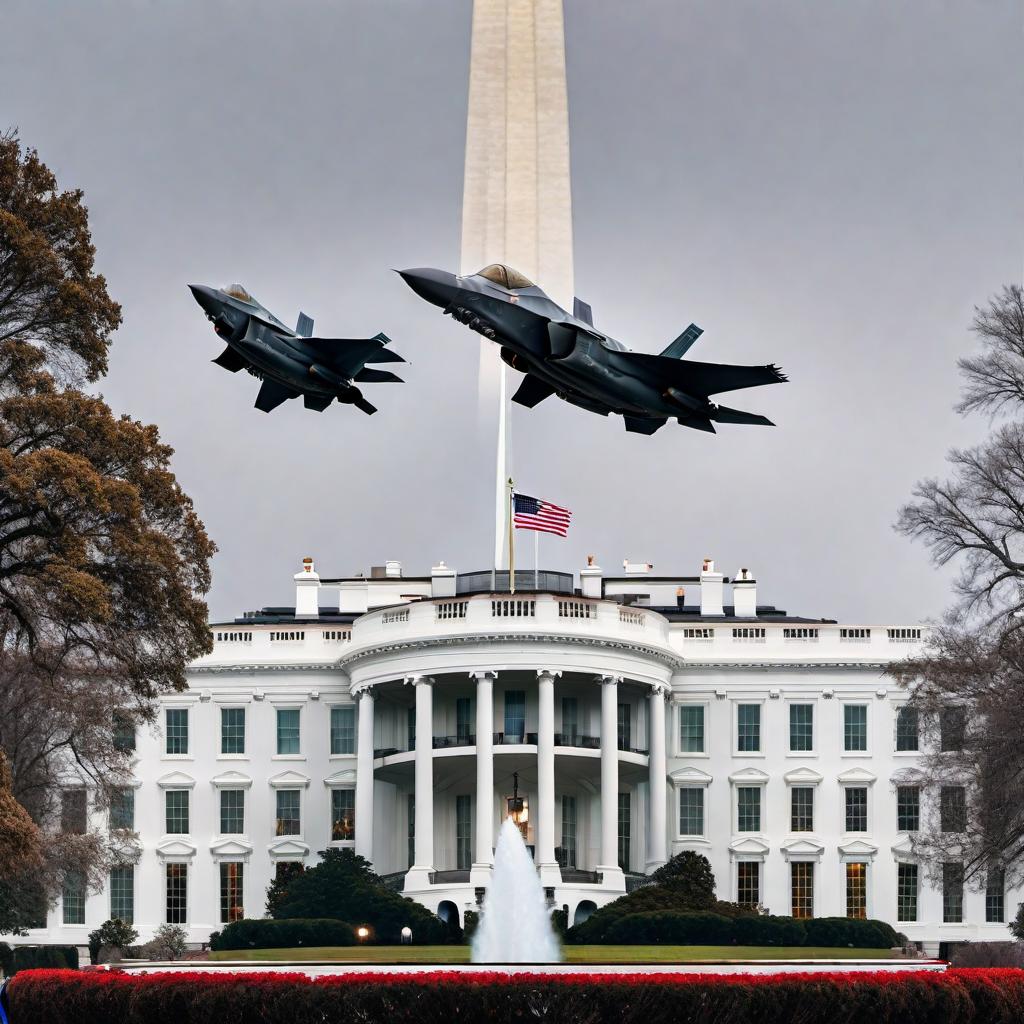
(292, 363)
(563, 354)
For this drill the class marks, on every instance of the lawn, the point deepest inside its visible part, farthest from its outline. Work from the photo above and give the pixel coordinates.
(573, 954)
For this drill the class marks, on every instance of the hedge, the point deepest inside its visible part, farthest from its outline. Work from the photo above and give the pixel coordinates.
(669, 927)
(25, 958)
(919, 997)
(258, 933)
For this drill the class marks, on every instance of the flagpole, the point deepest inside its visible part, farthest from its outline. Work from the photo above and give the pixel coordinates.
(536, 559)
(511, 538)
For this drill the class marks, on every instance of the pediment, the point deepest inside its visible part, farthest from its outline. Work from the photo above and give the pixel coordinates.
(802, 849)
(749, 846)
(803, 776)
(289, 780)
(690, 776)
(856, 777)
(176, 780)
(231, 780)
(346, 777)
(230, 846)
(175, 847)
(903, 848)
(288, 848)
(909, 777)
(858, 849)
(749, 776)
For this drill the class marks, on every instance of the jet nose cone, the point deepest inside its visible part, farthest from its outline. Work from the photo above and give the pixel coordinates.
(436, 286)
(206, 297)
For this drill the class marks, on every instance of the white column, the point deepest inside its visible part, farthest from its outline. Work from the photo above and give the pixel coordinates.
(418, 876)
(609, 862)
(657, 837)
(546, 865)
(364, 776)
(483, 859)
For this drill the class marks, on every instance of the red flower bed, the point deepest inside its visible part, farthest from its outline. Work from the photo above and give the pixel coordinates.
(975, 996)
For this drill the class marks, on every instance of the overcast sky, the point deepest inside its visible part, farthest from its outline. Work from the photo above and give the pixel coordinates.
(830, 186)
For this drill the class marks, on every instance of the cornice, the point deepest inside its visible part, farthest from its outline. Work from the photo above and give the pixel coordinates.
(880, 666)
(249, 667)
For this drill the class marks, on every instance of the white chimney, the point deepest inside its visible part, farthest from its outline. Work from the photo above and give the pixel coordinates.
(442, 581)
(307, 591)
(591, 579)
(711, 589)
(744, 595)
(393, 570)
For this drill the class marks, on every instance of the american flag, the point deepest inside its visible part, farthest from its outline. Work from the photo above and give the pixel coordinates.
(537, 514)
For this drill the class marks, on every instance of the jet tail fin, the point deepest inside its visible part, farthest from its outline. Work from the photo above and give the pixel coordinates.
(723, 414)
(683, 343)
(581, 310)
(304, 326)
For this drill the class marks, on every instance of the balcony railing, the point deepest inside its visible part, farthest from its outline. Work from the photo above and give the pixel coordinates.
(506, 738)
(573, 739)
(465, 740)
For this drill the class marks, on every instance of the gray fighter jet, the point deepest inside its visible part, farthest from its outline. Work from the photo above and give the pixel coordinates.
(292, 363)
(563, 354)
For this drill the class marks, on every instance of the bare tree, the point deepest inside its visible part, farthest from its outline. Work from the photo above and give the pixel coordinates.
(967, 690)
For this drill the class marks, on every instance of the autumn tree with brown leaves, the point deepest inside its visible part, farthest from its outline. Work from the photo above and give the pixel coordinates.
(103, 560)
(967, 689)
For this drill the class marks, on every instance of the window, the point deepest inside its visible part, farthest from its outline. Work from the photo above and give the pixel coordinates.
(906, 892)
(464, 720)
(232, 730)
(569, 831)
(801, 875)
(625, 727)
(343, 730)
(856, 809)
(748, 808)
(570, 720)
(515, 715)
(952, 809)
(748, 883)
(749, 634)
(177, 893)
(906, 729)
(855, 727)
(232, 811)
(903, 636)
(691, 811)
(411, 827)
(231, 900)
(463, 832)
(411, 728)
(122, 893)
(908, 808)
(802, 809)
(856, 890)
(952, 892)
(801, 726)
(343, 815)
(288, 730)
(624, 824)
(952, 726)
(854, 634)
(288, 820)
(73, 899)
(802, 633)
(995, 908)
(748, 727)
(122, 809)
(691, 729)
(176, 811)
(73, 810)
(176, 722)
(124, 733)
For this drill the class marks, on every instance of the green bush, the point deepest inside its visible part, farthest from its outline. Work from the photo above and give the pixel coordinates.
(27, 958)
(258, 933)
(847, 931)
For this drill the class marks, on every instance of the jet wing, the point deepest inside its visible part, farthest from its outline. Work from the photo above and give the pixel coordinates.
(272, 394)
(231, 360)
(349, 355)
(644, 425)
(695, 378)
(532, 392)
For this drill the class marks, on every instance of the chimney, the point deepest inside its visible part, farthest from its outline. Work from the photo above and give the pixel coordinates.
(591, 580)
(636, 568)
(711, 589)
(442, 581)
(393, 570)
(680, 598)
(744, 595)
(307, 591)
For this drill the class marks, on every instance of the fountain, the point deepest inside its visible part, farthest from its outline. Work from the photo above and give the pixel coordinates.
(515, 925)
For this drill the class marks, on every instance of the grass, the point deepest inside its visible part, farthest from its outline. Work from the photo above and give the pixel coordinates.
(573, 954)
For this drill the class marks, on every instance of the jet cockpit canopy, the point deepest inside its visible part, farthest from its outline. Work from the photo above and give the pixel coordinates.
(236, 291)
(505, 276)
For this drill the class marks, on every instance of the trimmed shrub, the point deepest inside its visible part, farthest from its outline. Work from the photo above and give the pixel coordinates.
(668, 928)
(918, 997)
(769, 930)
(989, 954)
(28, 958)
(850, 931)
(269, 934)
